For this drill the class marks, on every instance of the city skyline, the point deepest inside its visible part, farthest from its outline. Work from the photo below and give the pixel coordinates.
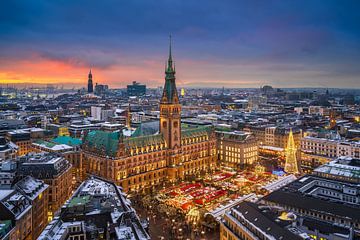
(231, 44)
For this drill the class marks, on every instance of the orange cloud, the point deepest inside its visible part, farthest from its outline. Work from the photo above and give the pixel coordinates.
(190, 73)
(48, 71)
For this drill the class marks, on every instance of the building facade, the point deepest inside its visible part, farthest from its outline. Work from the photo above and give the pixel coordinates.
(147, 160)
(37, 192)
(316, 151)
(237, 149)
(67, 147)
(325, 196)
(274, 136)
(16, 209)
(136, 89)
(55, 171)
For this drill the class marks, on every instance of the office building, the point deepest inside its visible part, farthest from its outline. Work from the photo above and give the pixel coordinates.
(136, 89)
(236, 149)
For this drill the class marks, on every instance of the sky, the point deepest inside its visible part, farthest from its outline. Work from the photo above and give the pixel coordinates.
(230, 43)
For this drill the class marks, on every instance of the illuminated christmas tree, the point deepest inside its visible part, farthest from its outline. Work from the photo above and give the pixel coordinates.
(291, 164)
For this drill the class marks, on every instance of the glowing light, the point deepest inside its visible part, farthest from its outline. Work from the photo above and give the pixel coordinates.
(182, 92)
(291, 164)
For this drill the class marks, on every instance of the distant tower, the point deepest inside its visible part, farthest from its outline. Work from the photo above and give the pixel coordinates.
(291, 164)
(90, 83)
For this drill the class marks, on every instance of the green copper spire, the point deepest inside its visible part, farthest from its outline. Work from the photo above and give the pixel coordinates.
(170, 93)
(170, 57)
(170, 61)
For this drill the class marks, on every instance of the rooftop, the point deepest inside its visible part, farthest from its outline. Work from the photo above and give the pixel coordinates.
(306, 193)
(43, 165)
(52, 146)
(102, 204)
(67, 140)
(341, 167)
(31, 187)
(269, 221)
(15, 203)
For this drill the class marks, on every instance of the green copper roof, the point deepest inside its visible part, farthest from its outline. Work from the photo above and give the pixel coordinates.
(103, 142)
(76, 201)
(5, 227)
(196, 131)
(45, 143)
(146, 128)
(144, 141)
(67, 140)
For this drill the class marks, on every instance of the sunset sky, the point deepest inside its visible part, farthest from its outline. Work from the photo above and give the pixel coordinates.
(215, 43)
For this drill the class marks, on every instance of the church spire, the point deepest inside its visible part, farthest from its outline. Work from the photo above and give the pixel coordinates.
(90, 83)
(170, 56)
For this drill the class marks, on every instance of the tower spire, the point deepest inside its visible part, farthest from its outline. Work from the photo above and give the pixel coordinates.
(90, 83)
(170, 56)
(170, 92)
(170, 61)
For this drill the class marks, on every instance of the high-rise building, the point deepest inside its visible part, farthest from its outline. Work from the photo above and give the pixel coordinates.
(136, 89)
(90, 83)
(101, 89)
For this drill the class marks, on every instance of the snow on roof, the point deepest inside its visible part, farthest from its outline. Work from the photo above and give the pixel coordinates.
(52, 146)
(272, 148)
(336, 168)
(5, 193)
(31, 187)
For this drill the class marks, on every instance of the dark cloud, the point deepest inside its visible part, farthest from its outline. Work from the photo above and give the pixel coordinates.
(304, 36)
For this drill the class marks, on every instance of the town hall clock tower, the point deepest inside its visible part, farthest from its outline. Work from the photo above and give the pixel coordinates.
(170, 119)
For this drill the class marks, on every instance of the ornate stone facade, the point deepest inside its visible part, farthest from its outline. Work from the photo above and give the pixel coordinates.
(136, 163)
